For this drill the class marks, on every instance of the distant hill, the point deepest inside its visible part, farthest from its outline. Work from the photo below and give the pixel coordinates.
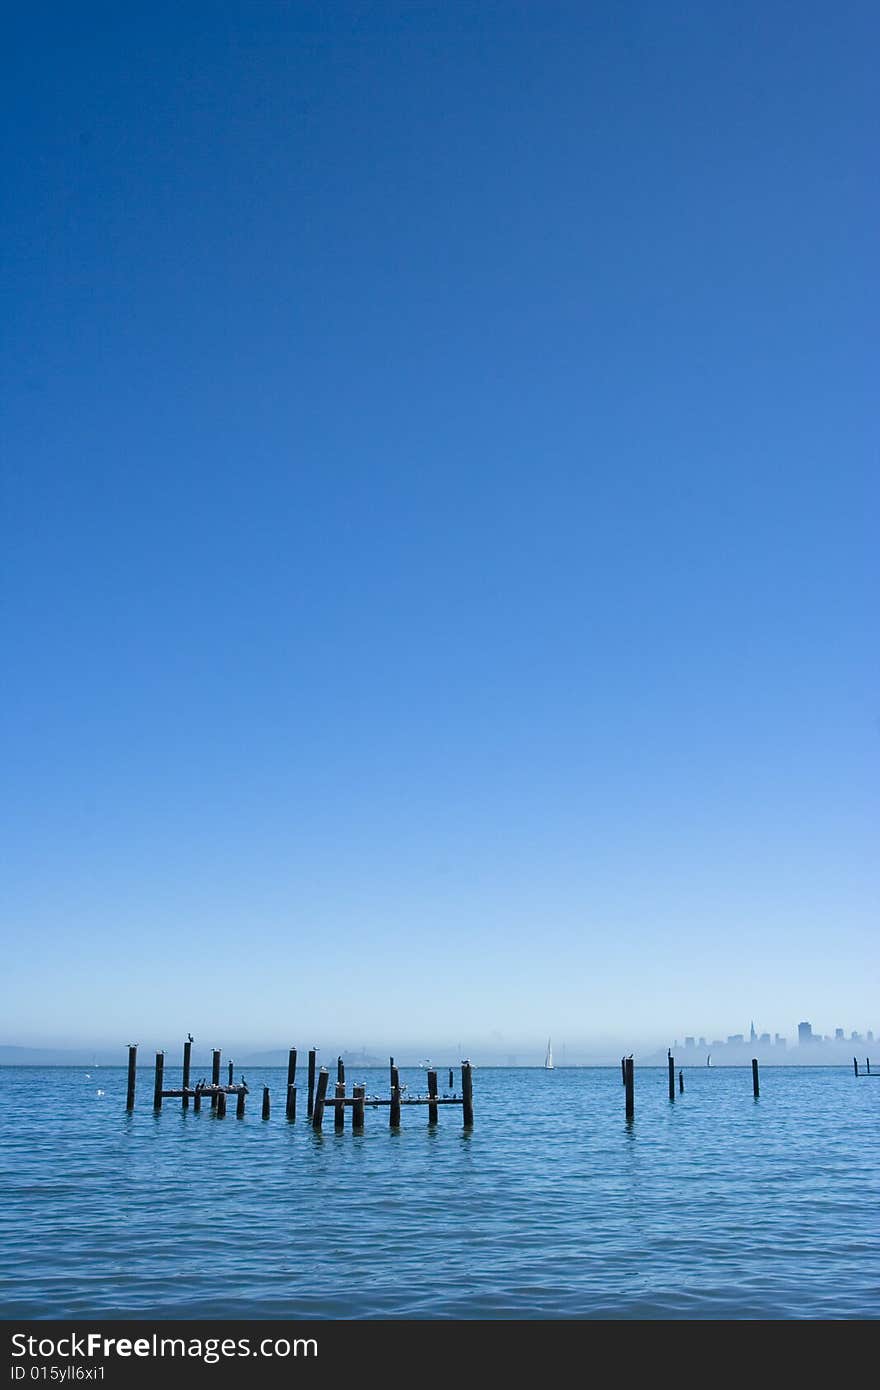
(118, 1057)
(277, 1057)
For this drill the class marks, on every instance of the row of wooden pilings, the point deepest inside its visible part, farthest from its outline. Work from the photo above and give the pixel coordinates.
(628, 1077)
(317, 1098)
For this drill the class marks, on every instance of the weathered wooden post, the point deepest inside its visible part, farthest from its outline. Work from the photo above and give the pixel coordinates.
(394, 1111)
(756, 1090)
(132, 1076)
(467, 1095)
(197, 1099)
(318, 1111)
(339, 1117)
(187, 1055)
(681, 1083)
(215, 1075)
(630, 1088)
(267, 1104)
(221, 1105)
(291, 1069)
(290, 1109)
(239, 1107)
(433, 1111)
(671, 1064)
(157, 1088)
(623, 1071)
(357, 1110)
(340, 1069)
(855, 1065)
(868, 1065)
(451, 1079)
(231, 1073)
(310, 1105)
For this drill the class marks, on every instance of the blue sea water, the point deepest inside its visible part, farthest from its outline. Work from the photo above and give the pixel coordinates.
(714, 1206)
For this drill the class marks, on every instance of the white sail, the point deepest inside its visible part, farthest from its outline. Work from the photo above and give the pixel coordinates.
(548, 1060)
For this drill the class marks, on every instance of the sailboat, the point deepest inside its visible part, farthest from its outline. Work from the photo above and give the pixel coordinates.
(548, 1060)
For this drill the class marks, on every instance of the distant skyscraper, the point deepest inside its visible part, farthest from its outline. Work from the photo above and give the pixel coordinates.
(805, 1034)
(838, 1032)
(869, 1036)
(688, 1042)
(779, 1040)
(752, 1034)
(764, 1038)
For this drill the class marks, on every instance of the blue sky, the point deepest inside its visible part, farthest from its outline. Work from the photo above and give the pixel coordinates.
(439, 521)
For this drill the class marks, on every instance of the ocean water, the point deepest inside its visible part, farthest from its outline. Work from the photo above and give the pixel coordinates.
(714, 1206)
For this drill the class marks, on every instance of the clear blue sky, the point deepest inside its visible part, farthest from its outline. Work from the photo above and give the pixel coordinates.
(440, 520)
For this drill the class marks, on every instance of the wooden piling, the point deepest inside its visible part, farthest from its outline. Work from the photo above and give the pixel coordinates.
(756, 1090)
(290, 1109)
(451, 1079)
(357, 1113)
(855, 1068)
(433, 1112)
(291, 1069)
(681, 1083)
(157, 1088)
(187, 1055)
(339, 1117)
(671, 1061)
(215, 1075)
(467, 1095)
(623, 1071)
(132, 1076)
(221, 1105)
(239, 1107)
(394, 1110)
(197, 1099)
(629, 1078)
(868, 1065)
(318, 1110)
(310, 1104)
(231, 1073)
(340, 1070)
(267, 1104)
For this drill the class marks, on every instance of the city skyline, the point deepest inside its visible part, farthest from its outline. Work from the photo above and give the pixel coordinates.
(804, 1037)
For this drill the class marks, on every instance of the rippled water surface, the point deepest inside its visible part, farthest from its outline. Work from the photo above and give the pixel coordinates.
(716, 1206)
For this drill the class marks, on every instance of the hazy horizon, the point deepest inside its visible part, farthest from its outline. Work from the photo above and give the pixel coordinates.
(439, 1047)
